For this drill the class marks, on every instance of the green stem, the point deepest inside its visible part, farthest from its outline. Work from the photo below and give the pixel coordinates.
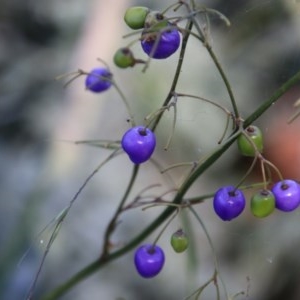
(112, 224)
(216, 263)
(96, 265)
(132, 122)
(274, 98)
(177, 72)
(62, 289)
(218, 65)
(108, 257)
(225, 80)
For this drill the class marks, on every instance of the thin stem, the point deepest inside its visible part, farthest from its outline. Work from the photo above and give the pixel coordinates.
(200, 199)
(224, 109)
(198, 292)
(177, 72)
(293, 117)
(225, 130)
(216, 62)
(263, 173)
(152, 116)
(165, 227)
(62, 289)
(275, 168)
(173, 128)
(175, 5)
(45, 254)
(272, 100)
(249, 171)
(125, 103)
(216, 263)
(219, 14)
(97, 264)
(112, 224)
(225, 80)
(182, 164)
(60, 220)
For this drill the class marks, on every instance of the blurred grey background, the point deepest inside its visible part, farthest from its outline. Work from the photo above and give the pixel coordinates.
(41, 171)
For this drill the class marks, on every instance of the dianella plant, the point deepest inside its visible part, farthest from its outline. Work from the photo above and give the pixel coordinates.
(160, 35)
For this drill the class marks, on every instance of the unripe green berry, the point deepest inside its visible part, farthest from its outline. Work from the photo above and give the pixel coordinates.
(135, 16)
(262, 203)
(179, 241)
(245, 146)
(123, 58)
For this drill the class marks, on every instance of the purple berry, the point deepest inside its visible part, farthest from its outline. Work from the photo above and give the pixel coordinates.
(169, 42)
(287, 195)
(229, 203)
(139, 143)
(98, 80)
(149, 260)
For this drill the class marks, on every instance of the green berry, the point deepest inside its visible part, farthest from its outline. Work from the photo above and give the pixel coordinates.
(179, 241)
(262, 203)
(135, 16)
(123, 58)
(245, 146)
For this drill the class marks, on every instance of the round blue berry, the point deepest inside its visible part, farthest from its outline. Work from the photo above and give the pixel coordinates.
(229, 202)
(168, 43)
(149, 260)
(98, 80)
(139, 143)
(287, 195)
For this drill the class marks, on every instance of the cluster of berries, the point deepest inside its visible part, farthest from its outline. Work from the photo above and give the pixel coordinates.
(229, 201)
(149, 259)
(159, 39)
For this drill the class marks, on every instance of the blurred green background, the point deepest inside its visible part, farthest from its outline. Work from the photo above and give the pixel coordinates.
(41, 169)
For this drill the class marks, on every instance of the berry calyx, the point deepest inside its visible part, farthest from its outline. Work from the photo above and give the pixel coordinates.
(149, 260)
(246, 148)
(139, 143)
(167, 44)
(98, 80)
(262, 203)
(124, 58)
(287, 195)
(135, 16)
(179, 241)
(229, 202)
(155, 21)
